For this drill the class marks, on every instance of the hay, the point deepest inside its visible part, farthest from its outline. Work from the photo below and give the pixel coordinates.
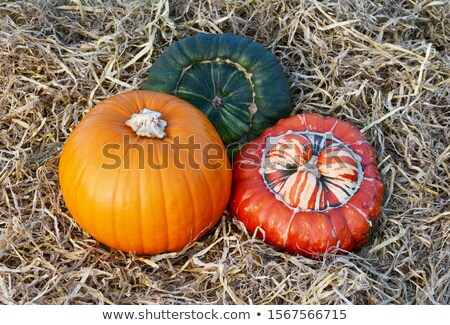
(383, 66)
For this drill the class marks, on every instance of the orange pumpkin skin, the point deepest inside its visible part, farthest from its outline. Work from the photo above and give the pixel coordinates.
(141, 205)
(308, 185)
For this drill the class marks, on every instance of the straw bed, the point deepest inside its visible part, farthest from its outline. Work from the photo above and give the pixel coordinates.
(383, 66)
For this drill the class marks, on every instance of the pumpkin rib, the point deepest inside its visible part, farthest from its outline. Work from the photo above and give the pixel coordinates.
(180, 130)
(72, 153)
(114, 227)
(288, 228)
(303, 234)
(181, 116)
(90, 208)
(80, 171)
(129, 103)
(97, 131)
(163, 194)
(246, 195)
(224, 61)
(208, 184)
(348, 235)
(111, 106)
(333, 228)
(352, 241)
(119, 233)
(141, 208)
(192, 206)
(271, 222)
(358, 226)
(328, 240)
(242, 53)
(140, 101)
(166, 103)
(100, 130)
(226, 85)
(214, 203)
(114, 236)
(192, 93)
(362, 214)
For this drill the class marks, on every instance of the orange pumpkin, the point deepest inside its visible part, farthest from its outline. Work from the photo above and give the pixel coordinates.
(149, 193)
(310, 184)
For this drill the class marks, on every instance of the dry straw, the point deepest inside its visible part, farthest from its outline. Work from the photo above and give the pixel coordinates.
(382, 65)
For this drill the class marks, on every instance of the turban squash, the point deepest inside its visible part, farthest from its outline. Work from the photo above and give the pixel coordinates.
(310, 183)
(236, 82)
(147, 193)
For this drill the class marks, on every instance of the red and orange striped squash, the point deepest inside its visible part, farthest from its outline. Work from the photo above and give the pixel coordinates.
(310, 184)
(145, 194)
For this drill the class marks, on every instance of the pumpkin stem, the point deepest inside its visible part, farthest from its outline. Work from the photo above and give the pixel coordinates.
(216, 102)
(147, 123)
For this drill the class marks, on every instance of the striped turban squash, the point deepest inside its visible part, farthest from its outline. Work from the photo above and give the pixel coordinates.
(309, 185)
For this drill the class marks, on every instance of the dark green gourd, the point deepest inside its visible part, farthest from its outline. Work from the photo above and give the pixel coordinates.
(236, 82)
